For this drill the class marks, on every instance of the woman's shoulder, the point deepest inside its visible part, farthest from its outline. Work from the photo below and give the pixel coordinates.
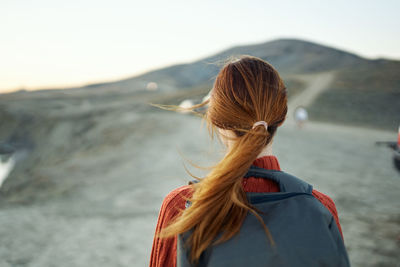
(326, 200)
(330, 205)
(175, 200)
(163, 252)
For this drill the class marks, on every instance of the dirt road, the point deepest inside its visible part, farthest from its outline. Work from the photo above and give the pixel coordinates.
(316, 84)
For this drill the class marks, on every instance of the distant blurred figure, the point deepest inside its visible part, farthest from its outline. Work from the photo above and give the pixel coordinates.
(7, 162)
(398, 139)
(300, 116)
(396, 149)
(186, 104)
(152, 86)
(396, 155)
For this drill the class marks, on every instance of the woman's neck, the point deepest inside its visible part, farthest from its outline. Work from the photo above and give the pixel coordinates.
(267, 151)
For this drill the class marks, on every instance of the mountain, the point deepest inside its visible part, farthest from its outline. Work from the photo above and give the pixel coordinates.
(365, 92)
(288, 56)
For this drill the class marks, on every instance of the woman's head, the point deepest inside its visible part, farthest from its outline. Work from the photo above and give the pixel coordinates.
(245, 91)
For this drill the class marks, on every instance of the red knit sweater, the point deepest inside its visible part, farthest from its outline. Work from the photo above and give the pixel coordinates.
(163, 253)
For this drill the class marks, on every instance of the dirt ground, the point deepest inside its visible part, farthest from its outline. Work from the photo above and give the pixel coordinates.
(101, 177)
(109, 218)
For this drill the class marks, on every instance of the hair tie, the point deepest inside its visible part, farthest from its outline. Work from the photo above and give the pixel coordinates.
(260, 123)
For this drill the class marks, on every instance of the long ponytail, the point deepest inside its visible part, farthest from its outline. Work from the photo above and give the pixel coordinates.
(245, 91)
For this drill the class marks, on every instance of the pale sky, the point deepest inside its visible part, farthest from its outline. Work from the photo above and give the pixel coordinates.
(52, 43)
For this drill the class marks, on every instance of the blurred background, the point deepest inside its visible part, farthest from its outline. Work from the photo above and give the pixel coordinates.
(85, 161)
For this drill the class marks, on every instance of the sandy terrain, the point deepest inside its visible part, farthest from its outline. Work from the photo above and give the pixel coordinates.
(108, 197)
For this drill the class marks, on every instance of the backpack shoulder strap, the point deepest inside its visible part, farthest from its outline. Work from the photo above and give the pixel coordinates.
(287, 183)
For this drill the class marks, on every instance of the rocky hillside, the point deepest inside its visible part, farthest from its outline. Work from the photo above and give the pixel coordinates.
(365, 92)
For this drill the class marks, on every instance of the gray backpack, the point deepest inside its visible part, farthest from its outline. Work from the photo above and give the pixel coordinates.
(304, 231)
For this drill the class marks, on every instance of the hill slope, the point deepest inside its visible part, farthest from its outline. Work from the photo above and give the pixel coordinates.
(289, 56)
(364, 92)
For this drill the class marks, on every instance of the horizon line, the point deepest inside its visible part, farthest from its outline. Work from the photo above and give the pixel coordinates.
(137, 74)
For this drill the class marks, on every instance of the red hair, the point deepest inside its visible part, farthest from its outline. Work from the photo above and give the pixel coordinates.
(247, 89)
